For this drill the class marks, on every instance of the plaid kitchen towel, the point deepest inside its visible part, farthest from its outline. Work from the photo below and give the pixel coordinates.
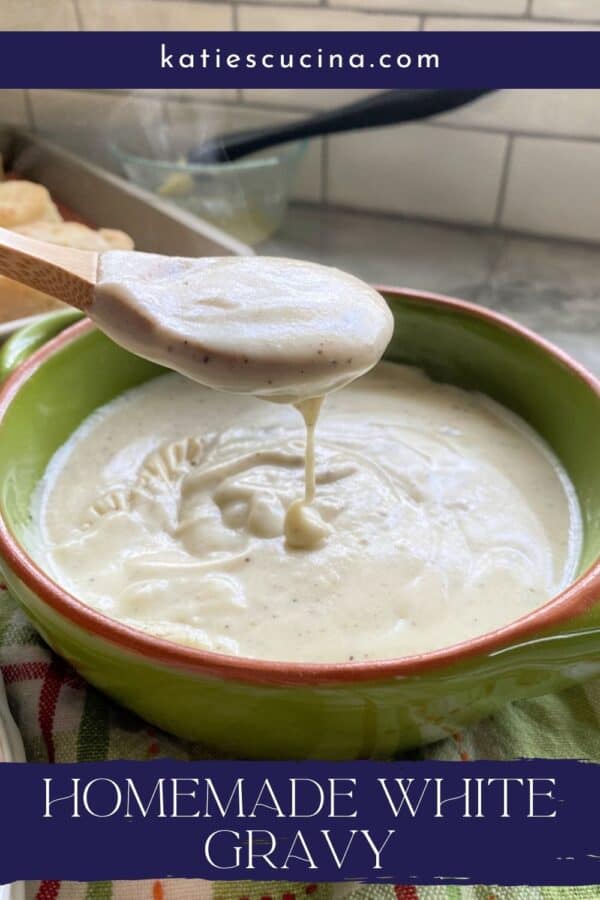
(63, 720)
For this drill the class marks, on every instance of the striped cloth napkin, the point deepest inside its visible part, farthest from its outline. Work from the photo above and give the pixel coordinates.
(63, 720)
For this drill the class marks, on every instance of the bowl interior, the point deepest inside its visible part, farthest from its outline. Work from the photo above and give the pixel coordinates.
(453, 343)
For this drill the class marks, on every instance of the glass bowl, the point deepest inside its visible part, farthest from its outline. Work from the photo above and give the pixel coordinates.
(247, 198)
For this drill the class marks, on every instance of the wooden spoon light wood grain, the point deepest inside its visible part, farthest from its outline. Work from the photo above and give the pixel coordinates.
(63, 272)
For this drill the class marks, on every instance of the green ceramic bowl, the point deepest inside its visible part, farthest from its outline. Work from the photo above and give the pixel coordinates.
(291, 710)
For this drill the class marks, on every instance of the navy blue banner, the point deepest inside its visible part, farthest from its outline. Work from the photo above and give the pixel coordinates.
(525, 822)
(394, 59)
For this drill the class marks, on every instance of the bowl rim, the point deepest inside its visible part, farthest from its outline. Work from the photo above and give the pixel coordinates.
(574, 600)
(281, 153)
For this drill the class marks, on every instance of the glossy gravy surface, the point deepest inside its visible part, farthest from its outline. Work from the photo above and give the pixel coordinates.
(284, 329)
(445, 517)
(287, 330)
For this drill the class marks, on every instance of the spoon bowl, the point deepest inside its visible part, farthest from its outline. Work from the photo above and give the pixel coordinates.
(282, 329)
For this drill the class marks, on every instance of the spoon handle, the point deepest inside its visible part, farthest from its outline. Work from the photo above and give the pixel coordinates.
(62, 272)
(384, 108)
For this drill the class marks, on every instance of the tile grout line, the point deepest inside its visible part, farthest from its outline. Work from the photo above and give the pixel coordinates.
(517, 132)
(78, 16)
(258, 106)
(471, 226)
(502, 188)
(418, 12)
(29, 110)
(351, 7)
(263, 106)
(325, 171)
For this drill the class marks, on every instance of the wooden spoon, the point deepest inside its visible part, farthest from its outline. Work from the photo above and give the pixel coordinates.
(62, 272)
(282, 329)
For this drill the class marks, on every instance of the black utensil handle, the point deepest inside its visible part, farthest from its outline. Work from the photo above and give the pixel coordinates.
(383, 108)
(392, 107)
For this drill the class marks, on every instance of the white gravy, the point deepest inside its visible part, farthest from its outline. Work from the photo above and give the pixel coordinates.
(287, 330)
(437, 516)
(283, 329)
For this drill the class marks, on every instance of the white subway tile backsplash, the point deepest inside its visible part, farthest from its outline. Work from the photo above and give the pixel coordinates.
(299, 2)
(461, 7)
(308, 182)
(148, 15)
(37, 15)
(304, 100)
(13, 108)
(418, 170)
(82, 120)
(450, 168)
(202, 120)
(285, 18)
(436, 23)
(209, 95)
(553, 188)
(567, 9)
(557, 112)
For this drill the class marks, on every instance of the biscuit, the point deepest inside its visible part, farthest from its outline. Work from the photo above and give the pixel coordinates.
(52, 214)
(27, 209)
(74, 234)
(65, 234)
(17, 301)
(116, 240)
(24, 201)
